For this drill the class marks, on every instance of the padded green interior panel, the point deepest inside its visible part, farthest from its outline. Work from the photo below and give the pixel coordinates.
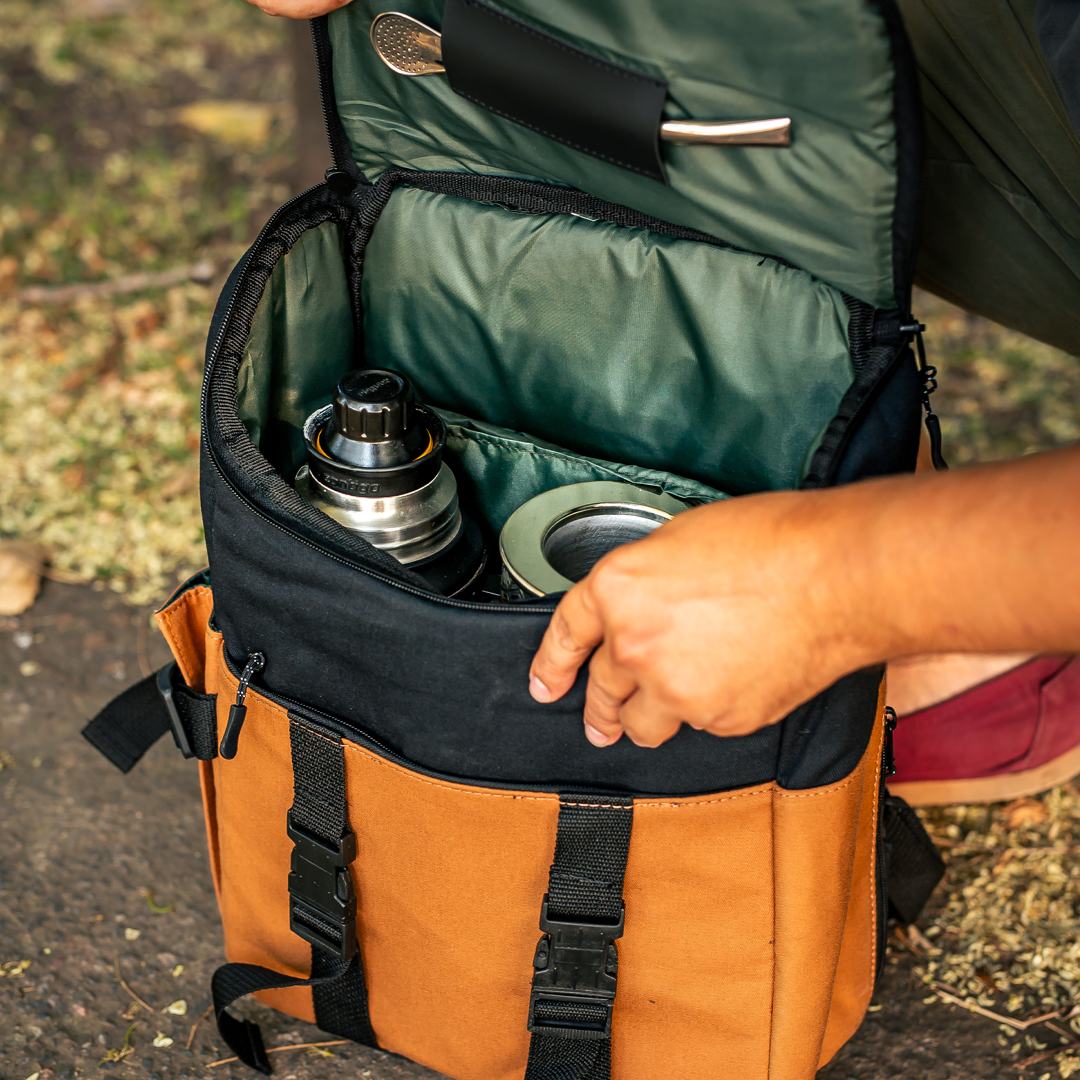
(498, 470)
(613, 342)
(825, 203)
(301, 343)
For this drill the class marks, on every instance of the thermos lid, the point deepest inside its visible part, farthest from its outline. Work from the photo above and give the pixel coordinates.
(373, 405)
(556, 538)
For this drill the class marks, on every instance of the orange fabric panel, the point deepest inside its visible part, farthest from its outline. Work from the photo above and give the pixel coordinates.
(856, 970)
(739, 909)
(450, 879)
(695, 961)
(814, 838)
(252, 796)
(183, 624)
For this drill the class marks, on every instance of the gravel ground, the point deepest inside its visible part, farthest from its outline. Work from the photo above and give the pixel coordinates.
(83, 844)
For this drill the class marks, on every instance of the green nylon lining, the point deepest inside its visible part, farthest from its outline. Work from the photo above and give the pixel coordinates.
(498, 470)
(301, 343)
(616, 343)
(825, 203)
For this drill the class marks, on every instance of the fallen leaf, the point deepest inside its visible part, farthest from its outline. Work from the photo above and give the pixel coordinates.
(20, 575)
(1025, 813)
(12, 969)
(157, 908)
(245, 123)
(127, 1048)
(177, 1008)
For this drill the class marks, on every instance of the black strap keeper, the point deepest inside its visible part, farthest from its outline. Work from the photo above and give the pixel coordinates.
(573, 990)
(322, 901)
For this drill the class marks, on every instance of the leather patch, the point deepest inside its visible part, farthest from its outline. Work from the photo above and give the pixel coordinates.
(544, 83)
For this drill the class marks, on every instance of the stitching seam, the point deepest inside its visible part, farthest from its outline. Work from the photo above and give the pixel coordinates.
(644, 804)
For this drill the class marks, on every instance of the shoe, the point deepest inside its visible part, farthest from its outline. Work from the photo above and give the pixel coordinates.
(1014, 735)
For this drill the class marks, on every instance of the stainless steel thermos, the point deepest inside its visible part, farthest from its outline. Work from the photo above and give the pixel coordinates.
(375, 465)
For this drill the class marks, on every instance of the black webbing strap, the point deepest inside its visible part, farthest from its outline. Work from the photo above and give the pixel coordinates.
(132, 722)
(322, 906)
(576, 963)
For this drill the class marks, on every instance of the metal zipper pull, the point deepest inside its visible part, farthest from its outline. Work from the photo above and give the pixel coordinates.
(929, 378)
(888, 758)
(238, 712)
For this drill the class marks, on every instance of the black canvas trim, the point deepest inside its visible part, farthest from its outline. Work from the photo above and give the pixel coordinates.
(576, 963)
(870, 377)
(913, 866)
(544, 82)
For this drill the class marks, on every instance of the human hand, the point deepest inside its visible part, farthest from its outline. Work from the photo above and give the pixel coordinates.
(722, 619)
(298, 9)
(732, 614)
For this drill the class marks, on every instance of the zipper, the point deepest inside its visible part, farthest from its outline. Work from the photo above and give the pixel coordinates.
(364, 738)
(256, 661)
(344, 176)
(888, 757)
(930, 384)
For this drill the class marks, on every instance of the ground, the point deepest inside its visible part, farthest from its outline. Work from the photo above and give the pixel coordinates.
(142, 144)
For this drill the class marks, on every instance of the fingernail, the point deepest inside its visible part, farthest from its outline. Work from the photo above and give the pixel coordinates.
(597, 738)
(538, 690)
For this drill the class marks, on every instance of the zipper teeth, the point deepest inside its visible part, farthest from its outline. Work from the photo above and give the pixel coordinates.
(324, 77)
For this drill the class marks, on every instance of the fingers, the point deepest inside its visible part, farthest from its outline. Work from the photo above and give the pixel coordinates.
(574, 631)
(609, 686)
(646, 721)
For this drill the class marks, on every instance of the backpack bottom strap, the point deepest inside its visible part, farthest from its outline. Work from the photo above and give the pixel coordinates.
(233, 981)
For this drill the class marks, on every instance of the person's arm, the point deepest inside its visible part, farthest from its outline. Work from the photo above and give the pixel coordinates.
(298, 9)
(732, 614)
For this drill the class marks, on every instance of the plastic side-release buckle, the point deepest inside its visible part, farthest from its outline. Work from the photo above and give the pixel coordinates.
(165, 689)
(322, 901)
(573, 989)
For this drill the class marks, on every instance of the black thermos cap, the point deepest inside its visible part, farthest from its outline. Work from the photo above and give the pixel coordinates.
(374, 422)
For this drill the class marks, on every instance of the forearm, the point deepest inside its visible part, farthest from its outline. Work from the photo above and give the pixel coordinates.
(983, 559)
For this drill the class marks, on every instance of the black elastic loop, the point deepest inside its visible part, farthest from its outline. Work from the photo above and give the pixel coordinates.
(233, 981)
(133, 721)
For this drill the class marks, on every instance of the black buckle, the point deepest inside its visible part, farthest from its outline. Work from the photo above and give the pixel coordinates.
(573, 989)
(322, 902)
(165, 689)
